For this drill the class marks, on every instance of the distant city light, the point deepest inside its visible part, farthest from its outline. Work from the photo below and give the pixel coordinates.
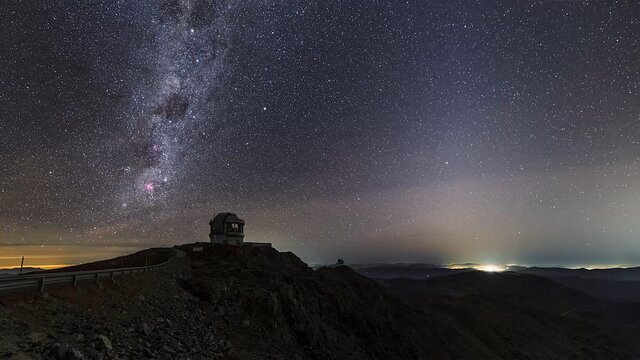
(490, 268)
(480, 267)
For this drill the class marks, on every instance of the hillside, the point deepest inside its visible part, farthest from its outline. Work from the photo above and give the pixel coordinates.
(407, 271)
(258, 303)
(16, 271)
(525, 316)
(275, 305)
(140, 258)
(144, 317)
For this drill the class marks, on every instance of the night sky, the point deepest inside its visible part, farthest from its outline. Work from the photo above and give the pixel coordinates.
(427, 130)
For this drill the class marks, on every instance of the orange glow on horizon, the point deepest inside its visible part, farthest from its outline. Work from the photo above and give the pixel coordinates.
(39, 266)
(57, 256)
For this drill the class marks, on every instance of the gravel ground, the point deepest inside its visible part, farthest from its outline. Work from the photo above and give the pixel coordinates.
(147, 317)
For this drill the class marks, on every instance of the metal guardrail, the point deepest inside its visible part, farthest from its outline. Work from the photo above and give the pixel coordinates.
(38, 282)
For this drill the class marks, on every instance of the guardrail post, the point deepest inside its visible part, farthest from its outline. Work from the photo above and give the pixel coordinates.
(112, 276)
(75, 280)
(42, 285)
(97, 277)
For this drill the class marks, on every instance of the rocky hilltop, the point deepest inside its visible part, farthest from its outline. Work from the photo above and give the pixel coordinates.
(272, 305)
(258, 303)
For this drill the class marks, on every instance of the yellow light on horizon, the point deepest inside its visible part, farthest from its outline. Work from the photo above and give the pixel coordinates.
(490, 268)
(480, 267)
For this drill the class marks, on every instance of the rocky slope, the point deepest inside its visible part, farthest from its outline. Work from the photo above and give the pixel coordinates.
(528, 317)
(274, 306)
(258, 303)
(143, 317)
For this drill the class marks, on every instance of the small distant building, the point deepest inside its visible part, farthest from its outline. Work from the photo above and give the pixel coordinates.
(227, 229)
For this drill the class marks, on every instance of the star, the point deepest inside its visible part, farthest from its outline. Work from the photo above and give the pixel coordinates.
(379, 131)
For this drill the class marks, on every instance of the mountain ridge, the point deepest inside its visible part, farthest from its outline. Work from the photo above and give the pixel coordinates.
(227, 302)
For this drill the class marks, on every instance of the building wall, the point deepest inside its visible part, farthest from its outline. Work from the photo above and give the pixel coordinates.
(265, 244)
(227, 240)
(219, 239)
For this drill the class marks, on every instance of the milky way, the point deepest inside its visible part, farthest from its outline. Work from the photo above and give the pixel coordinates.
(185, 65)
(490, 131)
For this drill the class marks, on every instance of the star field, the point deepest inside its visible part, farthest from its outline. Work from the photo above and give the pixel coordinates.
(484, 131)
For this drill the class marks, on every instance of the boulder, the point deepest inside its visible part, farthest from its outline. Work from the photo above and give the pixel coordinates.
(74, 354)
(103, 344)
(59, 351)
(146, 329)
(37, 338)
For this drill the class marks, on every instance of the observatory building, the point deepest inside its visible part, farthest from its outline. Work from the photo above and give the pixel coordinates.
(227, 229)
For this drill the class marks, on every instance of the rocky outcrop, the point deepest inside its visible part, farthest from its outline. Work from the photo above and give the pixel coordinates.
(272, 303)
(147, 317)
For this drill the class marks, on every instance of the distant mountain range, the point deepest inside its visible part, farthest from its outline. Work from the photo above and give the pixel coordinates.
(631, 273)
(16, 271)
(617, 284)
(408, 271)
